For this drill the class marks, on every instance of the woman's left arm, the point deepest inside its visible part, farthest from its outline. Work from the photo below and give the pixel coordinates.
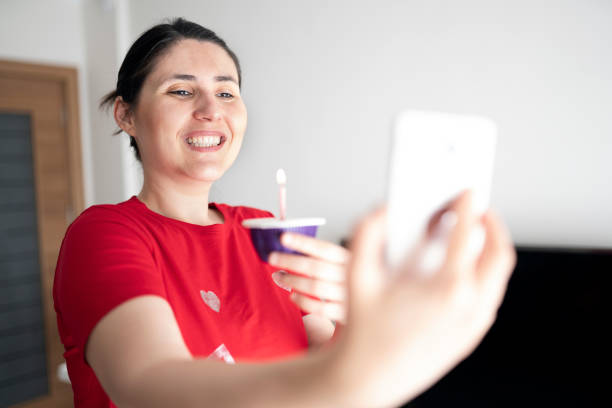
(318, 283)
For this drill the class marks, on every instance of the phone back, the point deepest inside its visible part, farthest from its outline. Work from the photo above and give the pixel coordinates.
(434, 156)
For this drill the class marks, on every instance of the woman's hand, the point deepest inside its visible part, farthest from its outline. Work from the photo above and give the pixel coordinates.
(404, 333)
(318, 278)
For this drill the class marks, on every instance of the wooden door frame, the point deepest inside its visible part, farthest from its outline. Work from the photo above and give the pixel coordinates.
(67, 77)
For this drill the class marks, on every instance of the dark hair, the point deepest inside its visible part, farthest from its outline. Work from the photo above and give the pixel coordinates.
(144, 53)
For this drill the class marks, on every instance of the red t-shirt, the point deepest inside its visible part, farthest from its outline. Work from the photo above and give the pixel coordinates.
(225, 302)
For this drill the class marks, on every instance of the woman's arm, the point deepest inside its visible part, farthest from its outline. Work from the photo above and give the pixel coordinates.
(141, 360)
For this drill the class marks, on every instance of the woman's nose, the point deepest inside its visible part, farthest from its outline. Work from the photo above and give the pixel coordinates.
(207, 109)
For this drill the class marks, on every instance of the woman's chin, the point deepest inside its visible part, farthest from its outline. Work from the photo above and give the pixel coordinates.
(207, 175)
(206, 171)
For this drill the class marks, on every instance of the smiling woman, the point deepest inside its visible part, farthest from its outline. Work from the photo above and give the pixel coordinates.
(157, 297)
(178, 98)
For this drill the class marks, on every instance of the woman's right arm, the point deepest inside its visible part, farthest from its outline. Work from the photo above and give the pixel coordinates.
(141, 360)
(401, 335)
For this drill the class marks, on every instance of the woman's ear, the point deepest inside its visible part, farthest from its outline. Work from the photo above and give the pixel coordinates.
(124, 116)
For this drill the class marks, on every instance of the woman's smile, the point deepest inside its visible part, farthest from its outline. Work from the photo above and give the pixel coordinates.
(205, 141)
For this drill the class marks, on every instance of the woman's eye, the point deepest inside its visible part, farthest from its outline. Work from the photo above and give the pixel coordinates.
(225, 95)
(181, 92)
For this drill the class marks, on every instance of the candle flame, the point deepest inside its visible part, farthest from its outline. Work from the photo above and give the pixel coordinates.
(281, 177)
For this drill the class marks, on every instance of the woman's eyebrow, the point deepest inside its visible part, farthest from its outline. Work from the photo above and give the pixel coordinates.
(224, 78)
(193, 78)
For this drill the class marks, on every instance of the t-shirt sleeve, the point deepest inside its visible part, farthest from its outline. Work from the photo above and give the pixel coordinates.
(104, 261)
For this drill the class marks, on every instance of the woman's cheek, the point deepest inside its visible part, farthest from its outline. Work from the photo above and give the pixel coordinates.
(239, 113)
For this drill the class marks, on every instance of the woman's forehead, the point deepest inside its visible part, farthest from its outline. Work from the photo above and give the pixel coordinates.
(199, 59)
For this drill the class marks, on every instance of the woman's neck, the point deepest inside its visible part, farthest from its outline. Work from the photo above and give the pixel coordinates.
(187, 203)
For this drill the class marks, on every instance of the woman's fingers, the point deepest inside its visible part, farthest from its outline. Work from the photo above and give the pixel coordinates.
(497, 260)
(315, 248)
(313, 287)
(458, 254)
(319, 273)
(331, 310)
(366, 272)
(312, 267)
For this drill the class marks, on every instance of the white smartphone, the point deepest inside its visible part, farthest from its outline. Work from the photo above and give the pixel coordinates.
(434, 156)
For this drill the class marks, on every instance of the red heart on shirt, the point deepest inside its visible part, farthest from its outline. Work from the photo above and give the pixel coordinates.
(211, 300)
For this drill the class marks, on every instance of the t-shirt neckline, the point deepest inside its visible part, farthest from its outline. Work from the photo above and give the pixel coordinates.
(227, 219)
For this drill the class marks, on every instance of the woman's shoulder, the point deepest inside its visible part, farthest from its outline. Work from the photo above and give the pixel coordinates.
(106, 212)
(240, 212)
(102, 217)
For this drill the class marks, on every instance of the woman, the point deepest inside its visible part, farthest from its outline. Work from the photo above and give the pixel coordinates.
(150, 292)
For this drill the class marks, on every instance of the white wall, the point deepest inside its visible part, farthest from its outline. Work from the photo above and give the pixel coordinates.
(88, 35)
(44, 32)
(322, 80)
(112, 161)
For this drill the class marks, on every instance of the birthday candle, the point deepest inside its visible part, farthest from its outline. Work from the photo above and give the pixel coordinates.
(281, 180)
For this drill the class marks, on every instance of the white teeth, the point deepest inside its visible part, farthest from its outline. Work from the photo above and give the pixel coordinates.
(206, 141)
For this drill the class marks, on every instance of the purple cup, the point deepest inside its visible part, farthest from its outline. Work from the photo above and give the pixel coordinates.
(266, 233)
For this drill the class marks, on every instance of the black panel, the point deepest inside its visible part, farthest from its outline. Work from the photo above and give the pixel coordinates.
(18, 270)
(17, 199)
(23, 389)
(548, 345)
(23, 371)
(17, 342)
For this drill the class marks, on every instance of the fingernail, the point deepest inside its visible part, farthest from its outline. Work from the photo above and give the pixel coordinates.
(447, 222)
(277, 277)
(279, 274)
(287, 238)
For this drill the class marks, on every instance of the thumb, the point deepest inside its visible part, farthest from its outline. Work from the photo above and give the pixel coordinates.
(366, 271)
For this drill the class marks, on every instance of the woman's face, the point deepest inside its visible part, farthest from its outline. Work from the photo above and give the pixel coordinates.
(189, 121)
